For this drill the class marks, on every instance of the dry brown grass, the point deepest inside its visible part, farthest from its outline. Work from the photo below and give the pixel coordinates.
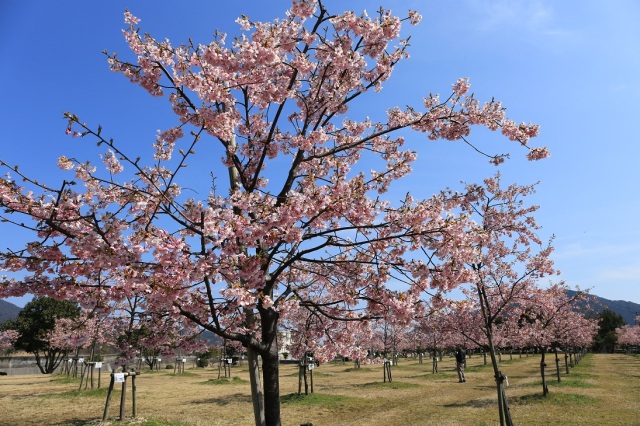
(603, 389)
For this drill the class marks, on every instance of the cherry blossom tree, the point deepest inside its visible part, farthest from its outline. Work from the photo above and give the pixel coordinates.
(7, 339)
(73, 334)
(463, 324)
(629, 335)
(500, 258)
(35, 325)
(326, 337)
(435, 333)
(302, 214)
(548, 317)
(137, 331)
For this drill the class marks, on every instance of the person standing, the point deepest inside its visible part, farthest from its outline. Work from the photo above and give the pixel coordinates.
(460, 362)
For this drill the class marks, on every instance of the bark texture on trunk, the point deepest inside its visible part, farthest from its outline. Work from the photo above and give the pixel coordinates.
(271, 380)
(256, 387)
(545, 389)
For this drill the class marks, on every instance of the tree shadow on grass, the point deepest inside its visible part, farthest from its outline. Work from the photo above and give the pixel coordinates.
(474, 403)
(226, 400)
(78, 422)
(388, 385)
(554, 398)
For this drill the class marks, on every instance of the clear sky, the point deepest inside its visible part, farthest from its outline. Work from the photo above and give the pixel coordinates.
(573, 66)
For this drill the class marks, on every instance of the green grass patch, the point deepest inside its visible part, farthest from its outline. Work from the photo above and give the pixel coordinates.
(426, 375)
(571, 384)
(185, 374)
(359, 370)
(225, 381)
(403, 366)
(389, 385)
(319, 374)
(585, 364)
(159, 422)
(565, 383)
(315, 374)
(317, 399)
(477, 368)
(554, 398)
(577, 375)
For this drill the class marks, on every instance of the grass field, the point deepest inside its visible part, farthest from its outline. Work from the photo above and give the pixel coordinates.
(601, 390)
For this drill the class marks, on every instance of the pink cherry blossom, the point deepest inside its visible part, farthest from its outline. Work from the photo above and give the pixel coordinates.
(302, 229)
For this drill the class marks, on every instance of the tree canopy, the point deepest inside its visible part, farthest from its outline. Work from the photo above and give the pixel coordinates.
(606, 338)
(304, 219)
(35, 325)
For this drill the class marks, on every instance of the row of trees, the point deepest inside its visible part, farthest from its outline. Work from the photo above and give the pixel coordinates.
(629, 335)
(549, 319)
(48, 328)
(53, 330)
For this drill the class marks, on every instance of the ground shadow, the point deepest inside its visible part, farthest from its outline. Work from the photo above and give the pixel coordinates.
(225, 400)
(475, 403)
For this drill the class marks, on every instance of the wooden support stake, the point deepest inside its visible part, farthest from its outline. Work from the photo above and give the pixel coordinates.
(133, 394)
(106, 406)
(91, 366)
(133, 375)
(81, 380)
(122, 398)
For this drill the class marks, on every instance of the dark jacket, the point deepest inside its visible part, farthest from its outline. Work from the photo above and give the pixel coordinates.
(460, 355)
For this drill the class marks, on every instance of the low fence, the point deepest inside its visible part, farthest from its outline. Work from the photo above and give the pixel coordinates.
(26, 364)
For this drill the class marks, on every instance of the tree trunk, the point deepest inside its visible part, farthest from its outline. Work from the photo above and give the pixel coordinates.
(270, 367)
(271, 380)
(505, 415)
(557, 365)
(256, 388)
(545, 389)
(39, 363)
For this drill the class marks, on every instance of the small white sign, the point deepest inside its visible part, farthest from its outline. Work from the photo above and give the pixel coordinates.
(229, 361)
(311, 367)
(98, 365)
(80, 360)
(118, 377)
(184, 360)
(159, 359)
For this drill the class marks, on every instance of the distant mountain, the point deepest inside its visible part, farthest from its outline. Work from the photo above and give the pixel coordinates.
(627, 310)
(8, 311)
(210, 338)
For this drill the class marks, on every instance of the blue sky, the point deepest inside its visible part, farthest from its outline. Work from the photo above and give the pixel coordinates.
(571, 66)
